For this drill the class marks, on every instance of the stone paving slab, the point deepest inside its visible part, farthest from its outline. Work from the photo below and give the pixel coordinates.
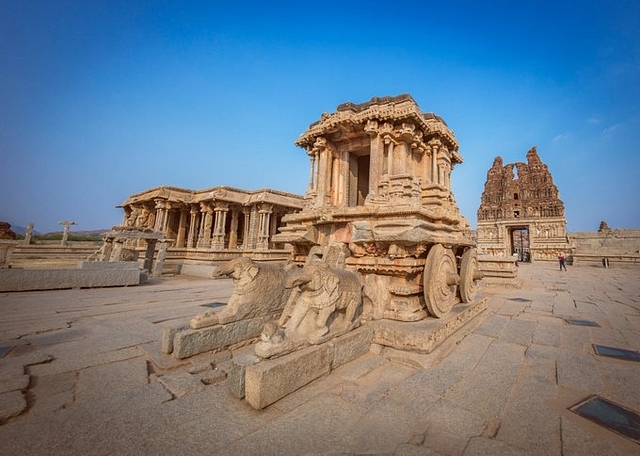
(83, 377)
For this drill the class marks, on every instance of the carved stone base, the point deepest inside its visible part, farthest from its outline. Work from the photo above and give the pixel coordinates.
(425, 335)
(272, 379)
(268, 349)
(188, 342)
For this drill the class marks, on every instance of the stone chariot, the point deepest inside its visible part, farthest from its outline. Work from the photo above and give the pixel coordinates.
(380, 184)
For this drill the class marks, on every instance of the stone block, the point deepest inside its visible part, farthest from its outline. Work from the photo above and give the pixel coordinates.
(198, 270)
(273, 379)
(351, 346)
(55, 279)
(181, 383)
(191, 342)
(242, 359)
(425, 335)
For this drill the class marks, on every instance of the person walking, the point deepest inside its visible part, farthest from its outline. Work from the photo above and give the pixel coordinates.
(562, 262)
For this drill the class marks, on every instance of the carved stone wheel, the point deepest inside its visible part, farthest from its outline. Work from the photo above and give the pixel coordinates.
(469, 275)
(440, 281)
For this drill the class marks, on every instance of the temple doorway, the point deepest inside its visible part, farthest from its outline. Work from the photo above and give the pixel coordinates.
(520, 243)
(358, 181)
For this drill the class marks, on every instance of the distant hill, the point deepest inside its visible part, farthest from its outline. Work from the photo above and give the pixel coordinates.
(88, 234)
(85, 234)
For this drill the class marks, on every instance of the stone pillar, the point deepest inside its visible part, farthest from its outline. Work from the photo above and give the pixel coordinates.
(273, 229)
(324, 170)
(217, 240)
(246, 212)
(116, 252)
(6, 249)
(375, 158)
(28, 234)
(107, 248)
(434, 162)
(162, 255)
(312, 173)
(160, 215)
(182, 229)
(192, 237)
(205, 239)
(65, 231)
(263, 232)
(148, 254)
(233, 232)
(389, 142)
(335, 181)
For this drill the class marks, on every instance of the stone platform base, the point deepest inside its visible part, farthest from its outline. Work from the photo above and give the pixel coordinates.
(425, 335)
(268, 381)
(499, 271)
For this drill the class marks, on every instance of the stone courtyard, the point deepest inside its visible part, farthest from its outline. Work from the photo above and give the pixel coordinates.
(83, 374)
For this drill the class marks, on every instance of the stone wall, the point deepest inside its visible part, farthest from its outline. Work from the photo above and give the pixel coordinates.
(620, 247)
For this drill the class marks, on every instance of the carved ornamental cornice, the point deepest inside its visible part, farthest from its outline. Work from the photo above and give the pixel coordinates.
(381, 113)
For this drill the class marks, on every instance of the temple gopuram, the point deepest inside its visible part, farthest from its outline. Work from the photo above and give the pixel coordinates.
(520, 212)
(214, 223)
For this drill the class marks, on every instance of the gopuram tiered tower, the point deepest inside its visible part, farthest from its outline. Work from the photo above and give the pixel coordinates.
(380, 191)
(520, 211)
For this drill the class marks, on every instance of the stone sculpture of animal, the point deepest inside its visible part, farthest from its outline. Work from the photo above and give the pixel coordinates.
(327, 297)
(259, 289)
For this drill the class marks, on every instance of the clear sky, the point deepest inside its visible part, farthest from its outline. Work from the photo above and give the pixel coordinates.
(103, 99)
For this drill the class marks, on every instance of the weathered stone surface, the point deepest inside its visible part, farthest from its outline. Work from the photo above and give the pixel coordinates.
(272, 379)
(181, 383)
(620, 248)
(106, 379)
(190, 342)
(11, 404)
(14, 383)
(52, 279)
(241, 360)
(6, 250)
(351, 346)
(425, 335)
(197, 270)
(499, 270)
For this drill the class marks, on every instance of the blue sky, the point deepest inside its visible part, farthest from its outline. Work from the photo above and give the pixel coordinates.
(103, 99)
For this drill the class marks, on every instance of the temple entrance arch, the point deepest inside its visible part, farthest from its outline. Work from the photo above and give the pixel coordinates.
(520, 245)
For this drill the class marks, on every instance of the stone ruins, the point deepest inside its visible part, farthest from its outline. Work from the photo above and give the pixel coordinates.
(521, 213)
(7, 243)
(379, 252)
(380, 186)
(215, 223)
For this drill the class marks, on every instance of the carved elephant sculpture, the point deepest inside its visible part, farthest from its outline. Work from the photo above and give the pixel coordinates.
(327, 297)
(259, 289)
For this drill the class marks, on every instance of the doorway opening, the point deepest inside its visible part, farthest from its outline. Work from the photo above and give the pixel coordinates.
(520, 245)
(358, 183)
